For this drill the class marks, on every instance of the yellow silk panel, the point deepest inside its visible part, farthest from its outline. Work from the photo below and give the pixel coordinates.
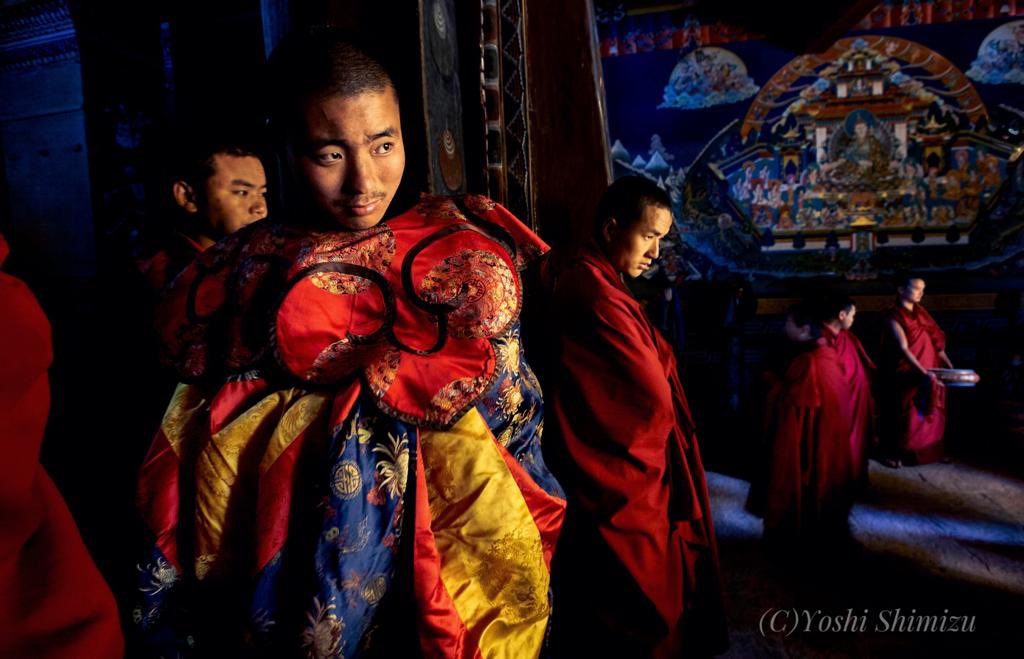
(227, 473)
(492, 562)
(183, 420)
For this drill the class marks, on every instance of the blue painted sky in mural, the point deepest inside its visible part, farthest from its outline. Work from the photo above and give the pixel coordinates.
(634, 88)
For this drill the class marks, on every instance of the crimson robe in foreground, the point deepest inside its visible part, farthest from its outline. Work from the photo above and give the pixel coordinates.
(355, 466)
(636, 569)
(914, 405)
(812, 426)
(53, 601)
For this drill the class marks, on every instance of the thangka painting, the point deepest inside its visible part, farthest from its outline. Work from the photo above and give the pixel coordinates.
(1001, 56)
(706, 77)
(878, 154)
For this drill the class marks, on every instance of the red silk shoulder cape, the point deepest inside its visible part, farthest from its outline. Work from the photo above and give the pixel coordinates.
(53, 601)
(632, 473)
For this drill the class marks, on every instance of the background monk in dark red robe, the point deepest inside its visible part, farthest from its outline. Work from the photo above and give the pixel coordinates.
(636, 570)
(857, 369)
(817, 428)
(914, 400)
(53, 601)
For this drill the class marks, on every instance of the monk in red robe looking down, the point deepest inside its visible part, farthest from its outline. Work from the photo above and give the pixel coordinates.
(636, 570)
(819, 426)
(914, 414)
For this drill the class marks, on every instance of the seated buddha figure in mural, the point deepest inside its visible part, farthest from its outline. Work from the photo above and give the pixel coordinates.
(858, 155)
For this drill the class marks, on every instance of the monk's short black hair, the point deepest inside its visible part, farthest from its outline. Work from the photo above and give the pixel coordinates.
(194, 162)
(903, 279)
(626, 199)
(321, 62)
(827, 308)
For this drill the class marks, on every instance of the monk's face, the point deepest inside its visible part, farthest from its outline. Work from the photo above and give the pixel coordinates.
(632, 248)
(846, 316)
(236, 195)
(912, 291)
(232, 197)
(352, 156)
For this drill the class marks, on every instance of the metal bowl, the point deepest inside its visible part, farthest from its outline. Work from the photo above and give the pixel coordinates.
(956, 377)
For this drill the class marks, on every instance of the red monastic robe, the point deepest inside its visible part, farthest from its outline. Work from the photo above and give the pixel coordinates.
(811, 428)
(916, 418)
(53, 601)
(637, 566)
(160, 268)
(856, 368)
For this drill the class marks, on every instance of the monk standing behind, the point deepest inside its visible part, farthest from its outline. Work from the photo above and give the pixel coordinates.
(636, 571)
(817, 426)
(914, 413)
(857, 369)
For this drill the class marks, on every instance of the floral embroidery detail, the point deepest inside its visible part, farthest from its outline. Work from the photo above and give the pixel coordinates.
(261, 621)
(203, 564)
(339, 283)
(267, 238)
(508, 349)
(373, 248)
(338, 360)
(322, 636)
(453, 397)
(527, 253)
(505, 436)
(162, 576)
(479, 203)
(487, 286)
(440, 478)
(347, 545)
(374, 589)
(518, 420)
(381, 374)
(147, 619)
(510, 398)
(393, 467)
(346, 481)
(352, 588)
(360, 429)
(439, 207)
(514, 576)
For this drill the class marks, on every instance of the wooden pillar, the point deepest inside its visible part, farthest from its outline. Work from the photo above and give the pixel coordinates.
(569, 164)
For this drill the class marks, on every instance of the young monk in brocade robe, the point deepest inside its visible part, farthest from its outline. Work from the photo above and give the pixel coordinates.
(354, 468)
(636, 571)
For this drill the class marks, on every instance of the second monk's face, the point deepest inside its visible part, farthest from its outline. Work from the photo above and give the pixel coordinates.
(633, 248)
(352, 156)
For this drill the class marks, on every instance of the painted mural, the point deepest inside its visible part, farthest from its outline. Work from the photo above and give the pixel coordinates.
(1001, 56)
(706, 77)
(878, 154)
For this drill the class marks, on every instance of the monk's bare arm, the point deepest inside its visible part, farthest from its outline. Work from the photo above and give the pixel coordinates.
(945, 359)
(901, 341)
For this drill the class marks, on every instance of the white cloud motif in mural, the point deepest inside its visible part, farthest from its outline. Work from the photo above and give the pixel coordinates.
(706, 77)
(1001, 56)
